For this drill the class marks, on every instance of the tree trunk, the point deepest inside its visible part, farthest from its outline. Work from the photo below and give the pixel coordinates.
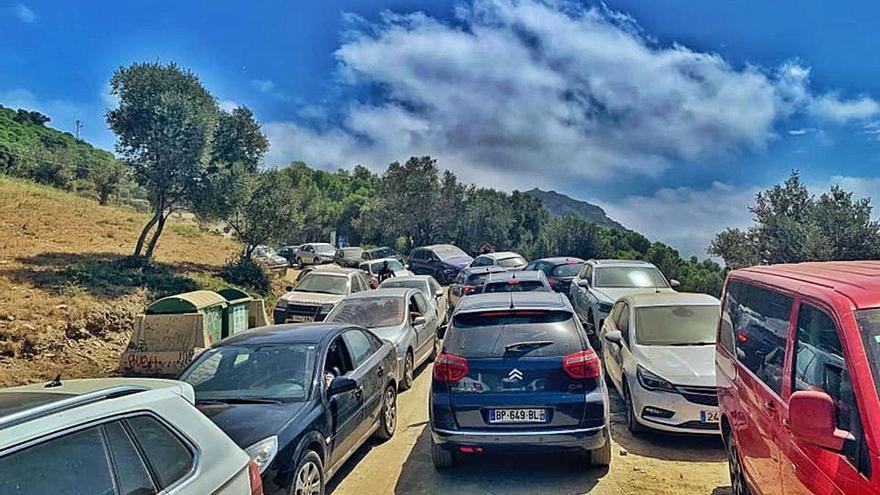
(143, 237)
(155, 239)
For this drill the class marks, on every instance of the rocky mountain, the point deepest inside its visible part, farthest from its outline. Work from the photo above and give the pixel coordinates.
(560, 205)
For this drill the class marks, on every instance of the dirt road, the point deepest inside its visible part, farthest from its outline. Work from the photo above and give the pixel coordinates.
(655, 464)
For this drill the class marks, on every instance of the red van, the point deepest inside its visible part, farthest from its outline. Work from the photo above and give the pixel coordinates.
(798, 369)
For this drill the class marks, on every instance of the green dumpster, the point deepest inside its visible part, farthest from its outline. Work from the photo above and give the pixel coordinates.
(211, 304)
(235, 316)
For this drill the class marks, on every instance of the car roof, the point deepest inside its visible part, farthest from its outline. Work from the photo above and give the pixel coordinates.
(435, 246)
(288, 333)
(519, 300)
(501, 255)
(404, 278)
(332, 271)
(525, 275)
(561, 260)
(671, 298)
(380, 248)
(858, 281)
(484, 269)
(379, 260)
(382, 292)
(609, 262)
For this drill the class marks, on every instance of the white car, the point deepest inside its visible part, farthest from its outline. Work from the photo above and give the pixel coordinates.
(659, 353)
(428, 286)
(116, 435)
(504, 259)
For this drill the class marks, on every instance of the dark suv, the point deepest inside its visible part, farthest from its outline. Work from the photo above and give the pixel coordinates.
(516, 372)
(442, 261)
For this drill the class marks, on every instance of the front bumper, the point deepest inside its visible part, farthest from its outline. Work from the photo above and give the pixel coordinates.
(686, 416)
(286, 315)
(566, 438)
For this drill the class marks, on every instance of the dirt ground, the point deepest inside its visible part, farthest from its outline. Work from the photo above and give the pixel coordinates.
(64, 305)
(651, 465)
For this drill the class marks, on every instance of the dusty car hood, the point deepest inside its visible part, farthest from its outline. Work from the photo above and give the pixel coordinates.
(247, 424)
(611, 295)
(681, 365)
(458, 261)
(311, 298)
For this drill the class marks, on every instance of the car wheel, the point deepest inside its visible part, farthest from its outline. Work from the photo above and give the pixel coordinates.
(308, 477)
(441, 457)
(738, 483)
(406, 381)
(388, 417)
(602, 455)
(632, 424)
(299, 262)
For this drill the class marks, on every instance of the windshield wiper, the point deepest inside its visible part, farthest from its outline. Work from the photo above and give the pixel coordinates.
(240, 400)
(527, 346)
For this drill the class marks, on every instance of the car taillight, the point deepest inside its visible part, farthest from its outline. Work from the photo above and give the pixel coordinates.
(256, 481)
(581, 365)
(552, 281)
(468, 289)
(450, 368)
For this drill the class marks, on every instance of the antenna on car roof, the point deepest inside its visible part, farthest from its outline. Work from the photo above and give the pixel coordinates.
(54, 383)
(511, 300)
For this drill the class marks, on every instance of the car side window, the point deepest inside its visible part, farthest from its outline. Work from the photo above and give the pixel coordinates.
(78, 464)
(421, 303)
(132, 474)
(358, 345)
(170, 457)
(434, 286)
(760, 319)
(355, 284)
(417, 255)
(338, 361)
(623, 321)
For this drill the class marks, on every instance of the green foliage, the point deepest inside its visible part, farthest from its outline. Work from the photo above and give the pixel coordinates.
(268, 207)
(792, 225)
(245, 272)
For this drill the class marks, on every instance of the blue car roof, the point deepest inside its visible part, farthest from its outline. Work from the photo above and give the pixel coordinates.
(520, 300)
(289, 333)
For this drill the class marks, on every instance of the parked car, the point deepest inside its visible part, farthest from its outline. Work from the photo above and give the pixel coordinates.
(403, 317)
(59, 438)
(317, 293)
(299, 398)
(602, 282)
(371, 269)
(504, 259)
(349, 257)
(797, 367)
(315, 253)
(428, 286)
(267, 257)
(441, 261)
(516, 371)
(659, 353)
(469, 281)
(560, 271)
(289, 253)
(516, 281)
(380, 253)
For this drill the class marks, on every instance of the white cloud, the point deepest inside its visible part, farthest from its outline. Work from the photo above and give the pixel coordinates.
(801, 131)
(25, 14)
(516, 87)
(683, 217)
(831, 107)
(263, 85)
(227, 105)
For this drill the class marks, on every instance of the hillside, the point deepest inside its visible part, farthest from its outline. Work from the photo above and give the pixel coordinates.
(560, 205)
(66, 296)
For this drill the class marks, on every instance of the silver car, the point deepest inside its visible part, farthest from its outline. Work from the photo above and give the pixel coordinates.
(403, 317)
(429, 287)
(315, 253)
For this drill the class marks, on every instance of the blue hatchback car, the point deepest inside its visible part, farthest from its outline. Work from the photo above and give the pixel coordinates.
(516, 371)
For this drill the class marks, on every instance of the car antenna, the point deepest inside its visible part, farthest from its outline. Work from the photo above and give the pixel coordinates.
(55, 382)
(511, 300)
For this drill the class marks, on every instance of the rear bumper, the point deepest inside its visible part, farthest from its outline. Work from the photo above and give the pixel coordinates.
(569, 438)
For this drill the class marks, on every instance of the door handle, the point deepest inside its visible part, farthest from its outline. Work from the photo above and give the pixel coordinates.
(359, 393)
(380, 371)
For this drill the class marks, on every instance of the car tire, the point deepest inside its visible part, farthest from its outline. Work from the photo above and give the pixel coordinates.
(632, 424)
(441, 457)
(388, 415)
(308, 476)
(406, 381)
(738, 485)
(299, 262)
(602, 455)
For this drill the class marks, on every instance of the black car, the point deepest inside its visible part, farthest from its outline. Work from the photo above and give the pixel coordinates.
(289, 253)
(516, 372)
(348, 257)
(469, 281)
(298, 398)
(560, 271)
(379, 253)
(441, 261)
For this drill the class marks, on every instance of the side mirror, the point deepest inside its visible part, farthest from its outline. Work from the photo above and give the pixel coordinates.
(419, 321)
(288, 288)
(812, 419)
(340, 385)
(406, 266)
(614, 336)
(674, 283)
(439, 293)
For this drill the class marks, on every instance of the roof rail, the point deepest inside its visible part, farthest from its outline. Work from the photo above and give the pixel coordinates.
(65, 404)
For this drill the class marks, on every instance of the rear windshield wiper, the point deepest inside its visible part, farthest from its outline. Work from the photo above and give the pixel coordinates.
(240, 400)
(527, 346)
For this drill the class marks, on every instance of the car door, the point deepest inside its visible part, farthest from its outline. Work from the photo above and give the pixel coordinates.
(417, 262)
(428, 330)
(346, 409)
(369, 374)
(819, 363)
(442, 301)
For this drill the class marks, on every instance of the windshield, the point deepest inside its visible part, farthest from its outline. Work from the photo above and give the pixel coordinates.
(381, 253)
(323, 283)
(355, 252)
(392, 283)
(373, 312)
(518, 286)
(324, 248)
(621, 277)
(869, 324)
(446, 252)
(512, 261)
(274, 371)
(566, 271)
(676, 325)
(264, 250)
(394, 265)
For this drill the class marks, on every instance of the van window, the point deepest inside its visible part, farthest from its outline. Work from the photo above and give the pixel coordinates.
(760, 319)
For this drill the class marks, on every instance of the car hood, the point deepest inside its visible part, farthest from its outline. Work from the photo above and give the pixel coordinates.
(681, 365)
(458, 261)
(247, 424)
(611, 294)
(311, 298)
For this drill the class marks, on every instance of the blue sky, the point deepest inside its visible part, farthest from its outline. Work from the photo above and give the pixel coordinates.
(671, 114)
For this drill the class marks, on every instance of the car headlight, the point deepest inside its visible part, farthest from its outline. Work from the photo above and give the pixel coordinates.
(263, 452)
(281, 304)
(651, 381)
(326, 308)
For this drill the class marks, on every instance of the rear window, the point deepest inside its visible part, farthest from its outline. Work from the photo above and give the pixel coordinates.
(567, 270)
(512, 334)
(476, 278)
(512, 262)
(519, 286)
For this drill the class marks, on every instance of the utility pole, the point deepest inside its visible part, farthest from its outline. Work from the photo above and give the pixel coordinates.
(78, 125)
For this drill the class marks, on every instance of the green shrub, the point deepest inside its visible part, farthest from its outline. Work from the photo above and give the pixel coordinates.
(245, 272)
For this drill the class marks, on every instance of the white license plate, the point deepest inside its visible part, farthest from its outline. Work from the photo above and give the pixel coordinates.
(300, 318)
(517, 416)
(709, 417)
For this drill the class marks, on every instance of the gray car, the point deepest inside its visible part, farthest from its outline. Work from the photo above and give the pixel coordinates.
(403, 317)
(315, 253)
(429, 287)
